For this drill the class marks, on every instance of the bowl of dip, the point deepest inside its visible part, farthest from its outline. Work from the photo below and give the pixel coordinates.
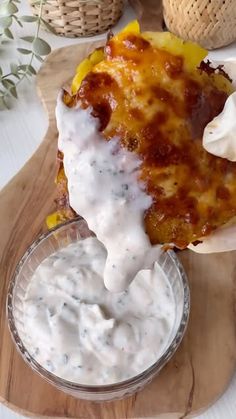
(87, 341)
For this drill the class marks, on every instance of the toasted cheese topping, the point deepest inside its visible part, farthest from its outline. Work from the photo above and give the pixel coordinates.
(152, 92)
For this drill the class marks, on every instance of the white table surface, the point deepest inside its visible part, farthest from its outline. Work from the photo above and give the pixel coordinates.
(21, 131)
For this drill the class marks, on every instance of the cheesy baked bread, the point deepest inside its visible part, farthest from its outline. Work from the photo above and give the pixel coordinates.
(155, 93)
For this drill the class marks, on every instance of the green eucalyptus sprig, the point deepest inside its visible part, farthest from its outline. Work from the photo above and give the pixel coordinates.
(36, 47)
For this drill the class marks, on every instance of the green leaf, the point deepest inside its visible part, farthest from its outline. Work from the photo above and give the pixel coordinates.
(40, 59)
(25, 69)
(8, 33)
(31, 69)
(8, 9)
(29, 18)
(5, 102)
(17, 20)
(28, 38)
(16, 76)
(5, 22)
(13, 92)
(14, 70)
(8, 84)
(10, 87)
(48, 26)
(41, 47)
(24, 51)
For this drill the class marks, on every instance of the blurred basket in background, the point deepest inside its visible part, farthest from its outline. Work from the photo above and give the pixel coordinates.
(74, 18)
(211, 23)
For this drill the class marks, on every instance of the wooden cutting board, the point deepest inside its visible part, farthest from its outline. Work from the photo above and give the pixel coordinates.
(202, 367)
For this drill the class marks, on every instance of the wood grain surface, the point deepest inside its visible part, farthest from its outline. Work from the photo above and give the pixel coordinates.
(205, 361)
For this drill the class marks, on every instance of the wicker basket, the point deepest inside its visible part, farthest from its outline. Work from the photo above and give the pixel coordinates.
(73, 18)
(211, 23)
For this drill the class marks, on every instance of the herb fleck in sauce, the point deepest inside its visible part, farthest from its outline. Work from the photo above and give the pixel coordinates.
(82, 332)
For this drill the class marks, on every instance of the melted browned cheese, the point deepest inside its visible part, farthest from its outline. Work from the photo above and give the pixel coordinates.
(159, 110)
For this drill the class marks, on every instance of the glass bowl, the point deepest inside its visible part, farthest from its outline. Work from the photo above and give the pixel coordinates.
(47, 244)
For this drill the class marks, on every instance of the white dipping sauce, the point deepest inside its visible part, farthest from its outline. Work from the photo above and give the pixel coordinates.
(81, 332)
(104, 189)
(74, 326)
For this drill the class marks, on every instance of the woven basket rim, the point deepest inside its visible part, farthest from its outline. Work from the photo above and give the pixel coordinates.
(80, 17)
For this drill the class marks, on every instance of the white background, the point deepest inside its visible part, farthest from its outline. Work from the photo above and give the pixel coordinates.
(21, 130)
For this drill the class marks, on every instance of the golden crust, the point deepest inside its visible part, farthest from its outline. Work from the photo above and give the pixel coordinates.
(158, 109)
